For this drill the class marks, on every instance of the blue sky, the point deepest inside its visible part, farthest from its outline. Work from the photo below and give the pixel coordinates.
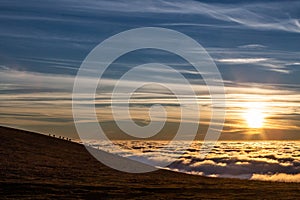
(255, 45)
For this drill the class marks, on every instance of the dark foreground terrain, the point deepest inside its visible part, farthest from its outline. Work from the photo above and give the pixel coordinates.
(35, 166)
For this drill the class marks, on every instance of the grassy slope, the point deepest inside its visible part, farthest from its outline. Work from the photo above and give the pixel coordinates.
(37, 166)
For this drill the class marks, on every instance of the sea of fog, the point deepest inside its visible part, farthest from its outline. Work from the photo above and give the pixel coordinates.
(260, 160)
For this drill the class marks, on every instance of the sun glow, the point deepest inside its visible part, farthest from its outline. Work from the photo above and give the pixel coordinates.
(255, 116)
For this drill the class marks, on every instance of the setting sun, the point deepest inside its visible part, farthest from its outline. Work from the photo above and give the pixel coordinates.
(254, 116)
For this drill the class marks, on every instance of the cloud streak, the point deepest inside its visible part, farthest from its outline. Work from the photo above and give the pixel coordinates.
(241, 60)
(265, 63)
(38, 99)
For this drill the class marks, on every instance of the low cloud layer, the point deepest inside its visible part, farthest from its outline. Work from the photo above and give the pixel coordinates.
(268, 161)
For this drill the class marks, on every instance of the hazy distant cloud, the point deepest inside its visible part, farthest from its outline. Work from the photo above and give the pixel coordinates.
(3, 67)
(252, 46)
(282, 177)
(35, 80)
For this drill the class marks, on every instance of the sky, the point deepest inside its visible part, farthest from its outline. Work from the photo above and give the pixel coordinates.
(255, 45)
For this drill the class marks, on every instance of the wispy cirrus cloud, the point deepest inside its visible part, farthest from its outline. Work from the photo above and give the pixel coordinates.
(254, 15)
(266, 16)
